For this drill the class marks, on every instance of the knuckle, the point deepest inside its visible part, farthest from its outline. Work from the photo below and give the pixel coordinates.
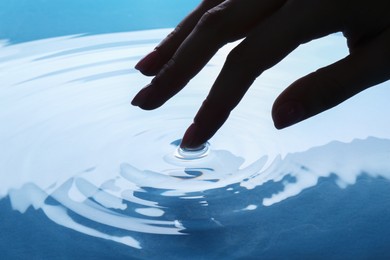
(176, 31)
(236, 56)
(212, 19)
(237, 59)
(220, 24)
(165, 72)
(171, 37)
(211, 3)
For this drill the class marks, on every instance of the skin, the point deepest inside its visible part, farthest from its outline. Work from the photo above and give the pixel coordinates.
(270, 30)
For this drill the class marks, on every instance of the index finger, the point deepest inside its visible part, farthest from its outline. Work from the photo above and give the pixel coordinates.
(298, 21)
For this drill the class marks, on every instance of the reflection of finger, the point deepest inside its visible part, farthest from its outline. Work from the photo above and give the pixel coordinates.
(329, 86)
(296, 22)
(217, 27)
(153, 62)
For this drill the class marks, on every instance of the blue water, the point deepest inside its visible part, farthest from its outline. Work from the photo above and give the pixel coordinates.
(324, 222)
(80, 180)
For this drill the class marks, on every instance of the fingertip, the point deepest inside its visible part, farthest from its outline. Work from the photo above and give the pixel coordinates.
(193, 137)
(287, 113)
(188, 137)
(142, 96)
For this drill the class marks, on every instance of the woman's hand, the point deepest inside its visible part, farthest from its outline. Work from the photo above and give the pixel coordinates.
(271, 30)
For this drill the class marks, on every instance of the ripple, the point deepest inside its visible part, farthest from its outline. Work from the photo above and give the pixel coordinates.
(72, 145)
(193, 153)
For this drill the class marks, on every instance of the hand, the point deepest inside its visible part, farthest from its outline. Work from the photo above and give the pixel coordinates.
(271, 30)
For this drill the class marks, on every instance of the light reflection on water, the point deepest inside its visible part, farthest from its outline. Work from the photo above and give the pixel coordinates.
(71, 144)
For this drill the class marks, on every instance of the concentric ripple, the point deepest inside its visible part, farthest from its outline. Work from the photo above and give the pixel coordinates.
(71, 144)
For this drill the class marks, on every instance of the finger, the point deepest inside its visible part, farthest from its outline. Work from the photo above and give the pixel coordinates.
(296, 22)
(154, 61)
(329, 86)
(216, 28)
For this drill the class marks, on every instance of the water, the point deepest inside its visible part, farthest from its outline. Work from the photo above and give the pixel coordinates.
(92, 172)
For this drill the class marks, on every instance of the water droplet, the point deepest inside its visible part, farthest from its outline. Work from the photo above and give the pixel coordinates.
(193, 153)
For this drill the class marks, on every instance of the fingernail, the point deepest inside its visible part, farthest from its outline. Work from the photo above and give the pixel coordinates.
(147, 63)
(142, 96)
(189, 137)
(288, 114)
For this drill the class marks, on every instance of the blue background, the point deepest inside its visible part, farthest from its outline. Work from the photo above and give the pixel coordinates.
(26, 20)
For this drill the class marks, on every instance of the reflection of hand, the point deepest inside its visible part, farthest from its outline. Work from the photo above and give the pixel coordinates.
(272, 29)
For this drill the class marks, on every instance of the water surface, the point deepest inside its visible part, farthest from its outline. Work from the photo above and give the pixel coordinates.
(78, 161)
